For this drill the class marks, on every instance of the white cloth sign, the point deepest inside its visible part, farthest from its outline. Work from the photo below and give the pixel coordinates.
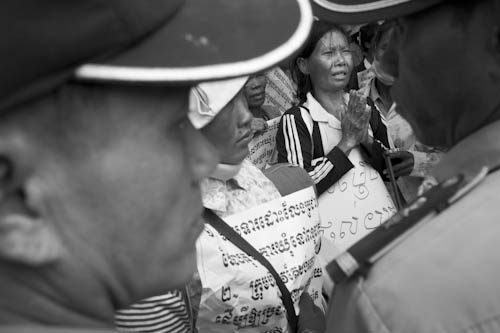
(355, 205)
(262, 147)
(239, 294)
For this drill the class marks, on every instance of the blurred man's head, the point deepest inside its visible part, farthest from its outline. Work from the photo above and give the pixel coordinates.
(99, 164)
(448, 72)
(92, 182)
(452, 92)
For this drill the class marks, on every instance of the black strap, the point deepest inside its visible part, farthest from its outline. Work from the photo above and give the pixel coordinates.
(225, 230)
(392, 179)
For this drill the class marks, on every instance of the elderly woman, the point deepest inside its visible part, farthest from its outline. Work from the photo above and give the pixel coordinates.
(320, 133)
(339, 140)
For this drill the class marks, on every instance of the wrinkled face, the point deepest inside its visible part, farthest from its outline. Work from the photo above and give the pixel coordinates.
(230, 131)
(330, 64)
(255, 90)
(130, 210)
(440, 74)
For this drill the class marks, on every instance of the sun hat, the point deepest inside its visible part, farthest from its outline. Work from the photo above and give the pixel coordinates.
(139, 42)
(363, 11)
(208, 98)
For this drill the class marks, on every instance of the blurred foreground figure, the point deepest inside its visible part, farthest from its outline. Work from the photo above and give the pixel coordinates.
(99, 165)
(377, 84)
(444, 275)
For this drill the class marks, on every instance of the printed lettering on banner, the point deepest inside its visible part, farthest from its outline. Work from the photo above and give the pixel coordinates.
(239, 294)
(352, 207)
(262, 147)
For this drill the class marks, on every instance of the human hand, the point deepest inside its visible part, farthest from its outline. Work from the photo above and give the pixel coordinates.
(258, 125)
(311, 318)
(355, 121)
(402, 162)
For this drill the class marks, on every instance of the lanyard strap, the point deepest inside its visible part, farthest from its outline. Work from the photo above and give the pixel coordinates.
(225, 230)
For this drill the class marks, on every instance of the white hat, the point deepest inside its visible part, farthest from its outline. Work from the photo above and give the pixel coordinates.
(208, 98)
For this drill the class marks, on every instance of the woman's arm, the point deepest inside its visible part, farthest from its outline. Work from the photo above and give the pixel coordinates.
(293, 140)
(329, 169)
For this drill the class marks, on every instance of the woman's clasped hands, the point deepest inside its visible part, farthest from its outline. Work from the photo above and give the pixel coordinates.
(355, 122)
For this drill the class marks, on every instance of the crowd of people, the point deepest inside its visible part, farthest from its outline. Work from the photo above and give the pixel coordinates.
(323, 167)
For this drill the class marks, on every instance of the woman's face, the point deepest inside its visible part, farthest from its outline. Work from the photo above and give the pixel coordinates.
(330, 64)
(255, 90)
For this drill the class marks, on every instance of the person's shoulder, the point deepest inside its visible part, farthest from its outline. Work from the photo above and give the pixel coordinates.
(294, 110)
(299, 114)
(249, 171)
(288, 178)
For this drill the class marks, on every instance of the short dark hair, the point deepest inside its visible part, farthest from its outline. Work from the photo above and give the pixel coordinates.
(380, 32)
(319, 29)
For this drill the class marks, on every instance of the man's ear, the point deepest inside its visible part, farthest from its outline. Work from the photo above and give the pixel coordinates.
(26, 235)
(302, 64)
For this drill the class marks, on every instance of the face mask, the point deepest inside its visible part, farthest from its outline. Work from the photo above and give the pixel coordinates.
(379, 72)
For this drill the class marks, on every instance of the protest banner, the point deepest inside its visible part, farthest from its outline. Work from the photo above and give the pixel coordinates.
(241, 294)
(352, 207)
(262, 147)
(279, 90)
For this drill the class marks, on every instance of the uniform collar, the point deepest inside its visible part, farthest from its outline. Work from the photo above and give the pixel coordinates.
(479, 149)
(374, 95)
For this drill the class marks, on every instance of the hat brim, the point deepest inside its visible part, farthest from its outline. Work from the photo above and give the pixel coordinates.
(201, 43)
(363, 11)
